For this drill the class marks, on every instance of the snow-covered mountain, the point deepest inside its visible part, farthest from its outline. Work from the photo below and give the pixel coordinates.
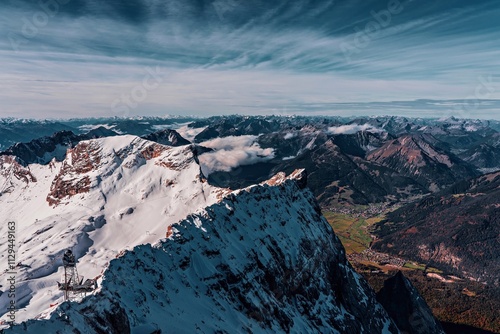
(263, 260)
(173, 253)
(107, 195)
(167, 137)
(43, 150)
(359, 160)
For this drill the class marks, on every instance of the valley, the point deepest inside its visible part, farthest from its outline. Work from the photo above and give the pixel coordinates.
(470, 305)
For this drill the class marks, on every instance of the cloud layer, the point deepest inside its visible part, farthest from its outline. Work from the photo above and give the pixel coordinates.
(351, 129)
(232, 152)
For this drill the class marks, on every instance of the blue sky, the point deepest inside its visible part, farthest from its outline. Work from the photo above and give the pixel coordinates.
(84, 58)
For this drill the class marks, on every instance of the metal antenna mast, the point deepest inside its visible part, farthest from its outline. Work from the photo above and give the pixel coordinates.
(70, 273)
(73, 285)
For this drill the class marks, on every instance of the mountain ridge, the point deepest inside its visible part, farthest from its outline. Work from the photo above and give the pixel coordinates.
(234, 266)
(456, 229)
(89, 202)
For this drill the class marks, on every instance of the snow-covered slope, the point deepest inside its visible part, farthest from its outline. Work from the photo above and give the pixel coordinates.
(261, 260)
(107, 195)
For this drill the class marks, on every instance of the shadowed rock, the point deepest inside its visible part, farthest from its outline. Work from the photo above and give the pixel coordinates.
(406, 307)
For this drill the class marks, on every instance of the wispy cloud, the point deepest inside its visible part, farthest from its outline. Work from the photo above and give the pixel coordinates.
(244, 58)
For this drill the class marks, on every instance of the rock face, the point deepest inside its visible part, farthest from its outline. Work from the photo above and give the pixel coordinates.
(72, 178)
(261, 260)
(406, 307)
(12, 173)
(167, 137)
(417, 157)
(44, 149)
(108, 194)
(456, 230)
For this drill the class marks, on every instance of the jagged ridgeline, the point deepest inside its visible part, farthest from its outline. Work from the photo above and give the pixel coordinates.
(456, 230)
(261, 260)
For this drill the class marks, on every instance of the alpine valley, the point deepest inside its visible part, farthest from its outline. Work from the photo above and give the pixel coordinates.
(263, 224)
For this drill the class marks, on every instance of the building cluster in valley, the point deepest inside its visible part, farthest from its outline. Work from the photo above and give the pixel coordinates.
(369, 212)
(376, 257)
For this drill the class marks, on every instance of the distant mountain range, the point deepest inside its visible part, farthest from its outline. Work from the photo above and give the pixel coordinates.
(362, 161)
(350, 161)
(14, 131)
(456, 230)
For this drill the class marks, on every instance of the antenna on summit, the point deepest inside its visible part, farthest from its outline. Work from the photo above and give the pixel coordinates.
(73, 284)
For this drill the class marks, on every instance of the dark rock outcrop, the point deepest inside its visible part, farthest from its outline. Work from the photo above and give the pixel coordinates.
(420, 157)
(43, 150)
(406, 307)
(167, 137)
(262, 260)
(456, 230)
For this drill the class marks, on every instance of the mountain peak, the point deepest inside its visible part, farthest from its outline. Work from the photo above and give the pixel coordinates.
(418, 156)
(44, 149)
(299, 176)
(89, 161)
(406, 307)
(244, 264)
(167, 137)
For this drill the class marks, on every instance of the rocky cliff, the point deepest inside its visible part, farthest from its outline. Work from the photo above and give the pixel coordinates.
(261, 260)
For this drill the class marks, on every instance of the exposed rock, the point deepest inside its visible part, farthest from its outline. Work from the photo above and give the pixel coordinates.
(419, 157)
(153, 151)
(406, 307)
(84, 158)
(10, 169)
(173, 162)
(300, 177)
(167, 137)
(44, 149)
(262, 260)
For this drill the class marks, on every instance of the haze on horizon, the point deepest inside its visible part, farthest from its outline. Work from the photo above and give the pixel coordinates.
(90, 58)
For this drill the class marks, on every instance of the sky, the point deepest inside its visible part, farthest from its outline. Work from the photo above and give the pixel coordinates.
(90, 58)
